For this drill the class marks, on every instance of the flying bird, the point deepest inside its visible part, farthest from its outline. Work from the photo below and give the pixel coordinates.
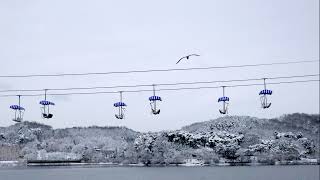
(187, 57)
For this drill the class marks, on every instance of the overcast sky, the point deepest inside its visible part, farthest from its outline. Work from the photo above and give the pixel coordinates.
(75, 36)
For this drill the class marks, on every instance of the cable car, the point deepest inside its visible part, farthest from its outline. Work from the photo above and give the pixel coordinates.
(225, 100)
(120, 105)
(46, 107)
(18, 111)
(263, 96)
(153, 102)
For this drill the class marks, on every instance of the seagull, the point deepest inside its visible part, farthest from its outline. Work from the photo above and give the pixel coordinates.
(187, 57)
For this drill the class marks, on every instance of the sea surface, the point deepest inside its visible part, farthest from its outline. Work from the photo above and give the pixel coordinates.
(310, 172)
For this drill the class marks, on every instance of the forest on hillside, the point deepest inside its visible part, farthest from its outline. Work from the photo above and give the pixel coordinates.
(233, 139)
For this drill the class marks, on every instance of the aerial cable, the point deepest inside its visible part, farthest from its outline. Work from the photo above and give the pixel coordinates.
(159, 84)
(157, 70)
(166, 89)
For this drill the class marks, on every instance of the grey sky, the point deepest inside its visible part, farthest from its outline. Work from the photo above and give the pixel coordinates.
(99, 36)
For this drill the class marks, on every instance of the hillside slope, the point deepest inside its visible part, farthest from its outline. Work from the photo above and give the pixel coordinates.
(226, 139)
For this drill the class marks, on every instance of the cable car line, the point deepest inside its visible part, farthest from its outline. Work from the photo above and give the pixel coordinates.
(164, 89)
(160, 84)
(156, 70)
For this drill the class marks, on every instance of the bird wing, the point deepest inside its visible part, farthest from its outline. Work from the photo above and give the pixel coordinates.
(194, 55)
(180, 59)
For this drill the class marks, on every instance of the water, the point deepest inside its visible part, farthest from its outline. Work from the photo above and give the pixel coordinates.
(164, 173)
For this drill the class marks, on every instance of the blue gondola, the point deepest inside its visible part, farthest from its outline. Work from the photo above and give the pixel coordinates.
(18, 111)
(121, 106)
(224, 99)
(265, 92)
(46, 106)
(16, 107)
(46, 103)
(263, 96)
(155, 98)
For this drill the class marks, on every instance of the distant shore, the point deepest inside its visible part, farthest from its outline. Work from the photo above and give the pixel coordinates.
(12, 164)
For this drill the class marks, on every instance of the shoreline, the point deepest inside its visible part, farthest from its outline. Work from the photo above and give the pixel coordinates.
(23, 164)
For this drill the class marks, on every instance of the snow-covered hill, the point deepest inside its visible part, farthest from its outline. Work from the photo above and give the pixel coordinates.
(227, 139)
